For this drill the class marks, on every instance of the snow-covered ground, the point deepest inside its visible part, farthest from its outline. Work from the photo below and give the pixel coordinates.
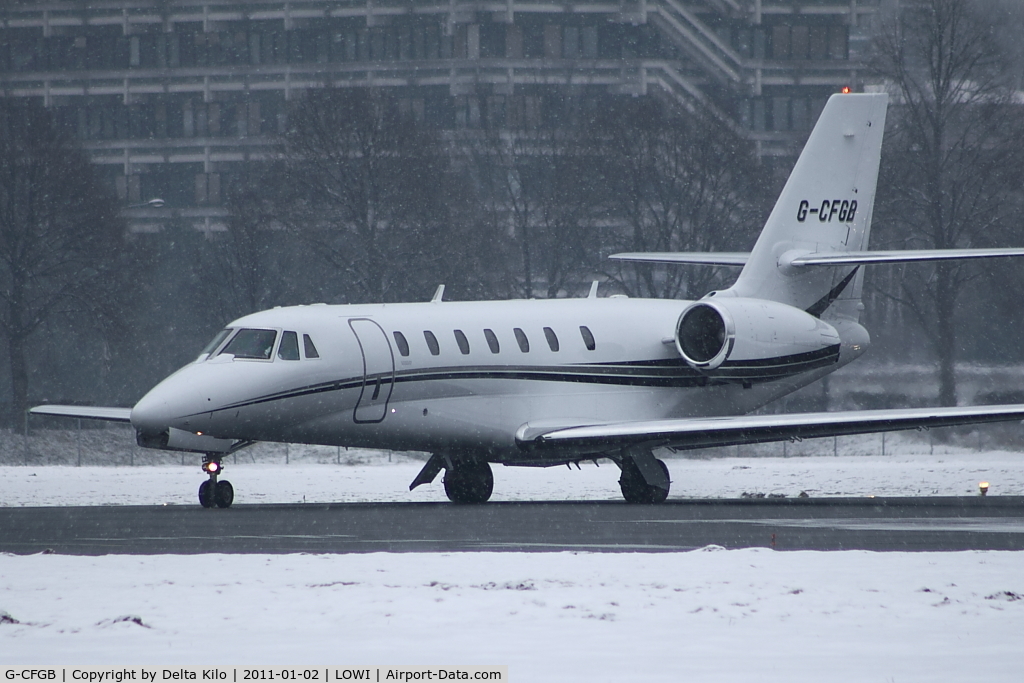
(708, 615)
(376, 479)
(713, 614)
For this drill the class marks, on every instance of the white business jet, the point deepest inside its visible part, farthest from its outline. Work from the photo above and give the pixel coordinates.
(551, 382)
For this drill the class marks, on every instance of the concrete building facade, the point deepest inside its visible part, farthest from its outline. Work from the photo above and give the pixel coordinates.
(169, 97)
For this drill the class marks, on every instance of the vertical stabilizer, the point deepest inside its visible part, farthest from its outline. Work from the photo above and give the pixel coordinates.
(825, 207)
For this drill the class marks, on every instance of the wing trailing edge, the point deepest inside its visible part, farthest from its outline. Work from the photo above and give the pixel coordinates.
(85, 412)
(689, 433)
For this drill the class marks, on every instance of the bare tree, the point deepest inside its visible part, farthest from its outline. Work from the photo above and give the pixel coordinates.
(680, 182)
(542, 185)
(378, 196)
(62, 247)
(953, 155)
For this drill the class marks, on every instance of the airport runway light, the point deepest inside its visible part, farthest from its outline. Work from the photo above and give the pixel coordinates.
(983, 488)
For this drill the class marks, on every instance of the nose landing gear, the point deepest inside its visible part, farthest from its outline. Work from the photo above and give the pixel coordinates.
(213, 492)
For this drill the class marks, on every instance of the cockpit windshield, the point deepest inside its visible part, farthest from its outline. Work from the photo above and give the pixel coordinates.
(255, 344)
(214, 343)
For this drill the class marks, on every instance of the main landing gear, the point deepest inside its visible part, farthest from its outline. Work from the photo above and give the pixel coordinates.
(214, 493)
(468, 481)
(644, 479)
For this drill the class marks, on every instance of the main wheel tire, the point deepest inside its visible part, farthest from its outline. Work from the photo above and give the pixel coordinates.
(206, 494)
(658, 494)
(469, 482)
(224, 494)
(636, 490)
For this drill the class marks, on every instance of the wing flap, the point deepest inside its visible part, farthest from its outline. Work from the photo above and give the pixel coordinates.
(85, 412)
(748, 429)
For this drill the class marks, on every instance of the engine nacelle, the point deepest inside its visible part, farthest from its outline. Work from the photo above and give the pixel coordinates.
(742, 335)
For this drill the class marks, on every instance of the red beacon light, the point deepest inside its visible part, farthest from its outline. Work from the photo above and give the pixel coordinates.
(845, 90)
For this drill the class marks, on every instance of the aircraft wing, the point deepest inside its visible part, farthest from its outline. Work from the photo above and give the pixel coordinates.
(707, 432)
(85, 412)
(737, 258)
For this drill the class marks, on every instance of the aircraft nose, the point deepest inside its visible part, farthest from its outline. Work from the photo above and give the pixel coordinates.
(152, 415)
(165, 405)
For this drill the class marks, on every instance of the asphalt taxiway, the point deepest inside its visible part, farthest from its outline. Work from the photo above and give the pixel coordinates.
(880, 524)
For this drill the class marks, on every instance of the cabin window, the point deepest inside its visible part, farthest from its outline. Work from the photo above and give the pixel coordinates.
(431, 342)
(402, 342)
(492, 341)
(524, 343)
(212, 346)
(463, 343)
(289, 349)
(255, 344)
(588, 338)
(549, 334)
(310, 349)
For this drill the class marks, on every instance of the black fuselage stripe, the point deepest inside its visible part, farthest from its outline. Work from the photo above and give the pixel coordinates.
(625, 374)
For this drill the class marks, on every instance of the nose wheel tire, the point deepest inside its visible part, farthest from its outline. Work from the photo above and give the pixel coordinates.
(206, 490)
(224, 494)
(636, 490)
(469, 482)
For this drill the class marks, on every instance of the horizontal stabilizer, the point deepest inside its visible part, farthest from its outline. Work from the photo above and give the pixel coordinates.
(854, 258)
(85, 412)
(737, 258)
(748, 429)
(838, 258)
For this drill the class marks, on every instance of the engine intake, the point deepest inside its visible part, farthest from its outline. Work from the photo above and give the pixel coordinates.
(753, 339)
(705, 335)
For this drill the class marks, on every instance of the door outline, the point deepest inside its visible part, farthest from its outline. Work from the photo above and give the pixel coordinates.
(372, 407)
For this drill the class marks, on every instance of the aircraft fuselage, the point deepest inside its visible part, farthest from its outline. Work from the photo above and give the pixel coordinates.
(461, 376)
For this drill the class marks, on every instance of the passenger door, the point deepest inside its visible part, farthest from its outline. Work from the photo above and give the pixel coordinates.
(378, 371)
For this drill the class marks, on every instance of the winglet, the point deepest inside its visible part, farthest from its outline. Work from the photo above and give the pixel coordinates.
(438, 295)
(593, 290)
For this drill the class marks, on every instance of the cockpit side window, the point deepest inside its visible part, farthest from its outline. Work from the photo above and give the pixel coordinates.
(212, 346)
(254, 344)
(289, 349)
(309, 348)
